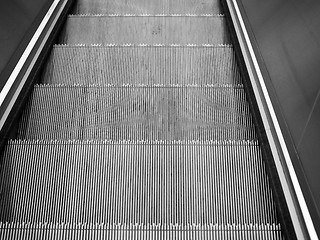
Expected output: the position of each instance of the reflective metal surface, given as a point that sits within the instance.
(18, 22)
(288, 43)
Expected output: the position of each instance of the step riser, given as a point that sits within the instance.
(147, 30)
(133, 132)
(147, 7)
(97, 231)
(142, 65)
(137, 113)
(230, 99)
(135, 183)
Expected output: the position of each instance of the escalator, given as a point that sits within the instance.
(139, 128)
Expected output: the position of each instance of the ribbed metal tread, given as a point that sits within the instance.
(135, 182)
(144, 29)
(143, 232)
(133, 112)
(147, 6)
(120, 64)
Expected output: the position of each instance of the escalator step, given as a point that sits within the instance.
(128, 182)
(134, 113)
(142, 65)
(143, 232)
(147, 7)
(99, 29)
(140, 129)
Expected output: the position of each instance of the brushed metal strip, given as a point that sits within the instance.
(145, 15)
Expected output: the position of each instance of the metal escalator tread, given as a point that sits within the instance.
(140, 129)
(150, 182)
(143, 232)
(99, 29)
(137, 112)
(92, 64)
(147, 6)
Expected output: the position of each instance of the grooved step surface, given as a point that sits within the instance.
(147, 6)
(128, 182)
(126, 112)
(104, 231)
(142, 65)
(144, 29)
(140, 129)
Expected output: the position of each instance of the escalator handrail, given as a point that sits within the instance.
(298, 209)
(18, 77)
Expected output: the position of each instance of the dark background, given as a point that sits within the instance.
(286, 35)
